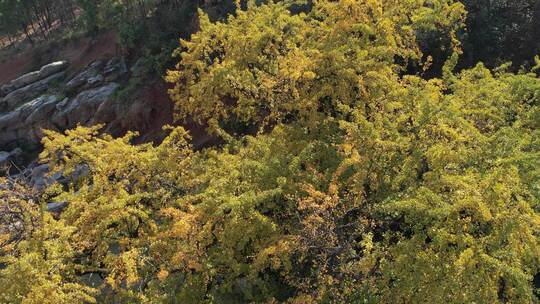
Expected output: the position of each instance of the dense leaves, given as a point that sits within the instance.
(360, 184)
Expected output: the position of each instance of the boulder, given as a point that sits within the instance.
(88, 77)
(27, 121)
(20, 82)
(40, 179)
(52, 68)
(40, 109)
(56, 207)
(10, 120)
(81, 109)
(22, 95)
(4, 158)
(32, 77)
(7, 157)
(115, 69)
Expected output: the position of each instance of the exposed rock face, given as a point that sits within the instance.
(22, 95)
(26, 121)
(7, 157)
(25, 112)
(33, 77)
(97, 73)
(81, 109)
(48, 100)
(89, 76)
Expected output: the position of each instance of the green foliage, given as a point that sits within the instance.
(90, 14)
(364, 183)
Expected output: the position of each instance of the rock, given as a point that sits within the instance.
(7, 157)
(4, 158)
(25, 112)
(40, 179)
(82, 108)
(40, 109)
(52, 68)
(62, 104)
(20, 82)
(92, 81)
(56, 207)
(89, 77)
(27, 121)
(115, 68)
(22, 95)
(80, 172)
(39, 176)
(115, 248)
(32, 77)
(10, 120)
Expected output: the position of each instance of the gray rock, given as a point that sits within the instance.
(55, 207)
(92, 81)
(20, 82)
(4, 158)
(7, 157)
(62, 104)
(52, 68)
(41, 109)
(16, 152)
(88, 77)
(22, 95)
(27, 121)
(40, 179)
(115, 68)
(80, 172)
(92, 279)
(32, 77)
(82, 108)
(10, 120)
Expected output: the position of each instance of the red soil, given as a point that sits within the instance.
(14, 67)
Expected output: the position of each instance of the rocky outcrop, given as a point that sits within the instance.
(26, 121)
(81, 109)
(54, 98)
(22, 95)
(7, 157)
(33, 77)
(97, 73)
(32, 104)
(89, 77)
